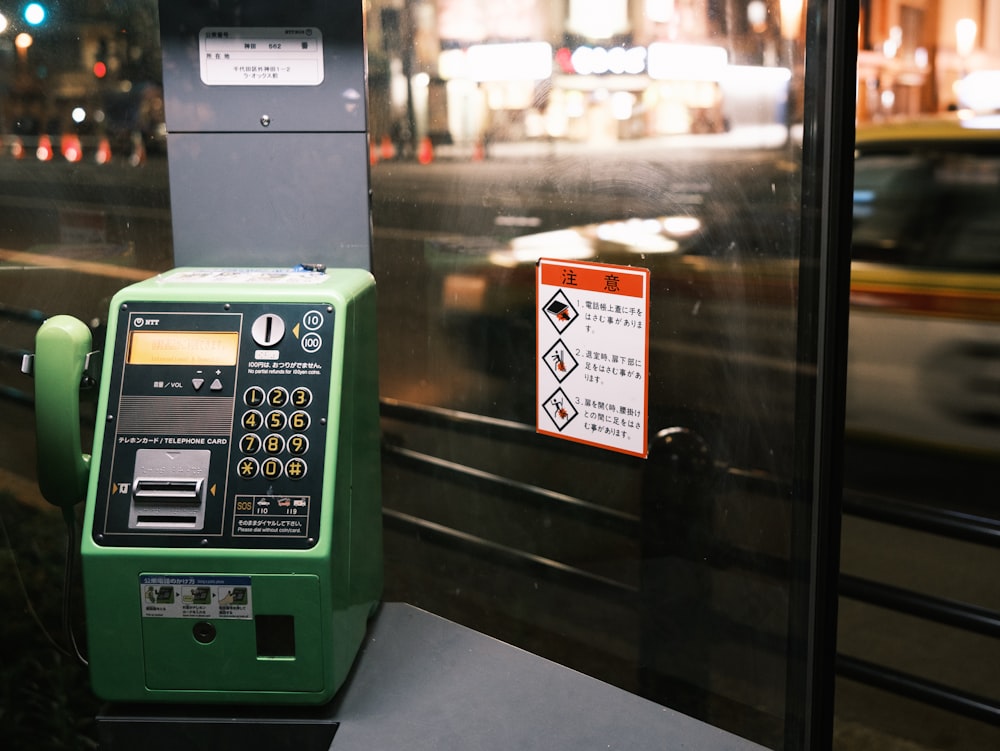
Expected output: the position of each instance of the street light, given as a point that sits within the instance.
(965, 36)
(34, 14)
(965, 41)
(757, 15)
(791, 24)
(791, 19)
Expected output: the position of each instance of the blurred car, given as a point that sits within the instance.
(722, 313)
(924, 352)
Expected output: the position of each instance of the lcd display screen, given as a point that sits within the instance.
(183, 348)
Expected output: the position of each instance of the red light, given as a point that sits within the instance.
(564, 60)
(44, 150)
(71, 148)
(100, 69)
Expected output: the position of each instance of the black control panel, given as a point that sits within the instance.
(217, 425)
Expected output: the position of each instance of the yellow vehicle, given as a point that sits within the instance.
(924, 352)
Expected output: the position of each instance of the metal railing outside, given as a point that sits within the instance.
(954, 525)
(949, 524)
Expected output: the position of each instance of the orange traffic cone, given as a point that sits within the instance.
(17, 148)
(372, 154)
(478, 151)
(138, 156)
(71, 148)
(103, 155)
(425, 154)
(44, 150)
(387, 150)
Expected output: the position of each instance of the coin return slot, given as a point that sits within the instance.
(162, 520)
(275, 635)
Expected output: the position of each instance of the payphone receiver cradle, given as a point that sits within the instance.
(232, 532)
(62, 352)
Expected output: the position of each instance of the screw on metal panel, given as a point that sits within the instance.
(265, 120)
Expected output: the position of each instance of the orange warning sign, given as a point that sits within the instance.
(592, 351)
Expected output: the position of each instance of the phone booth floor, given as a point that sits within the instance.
(425, 684)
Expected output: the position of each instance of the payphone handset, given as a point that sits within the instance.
(231, 539)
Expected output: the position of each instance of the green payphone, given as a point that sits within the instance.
(232, 532)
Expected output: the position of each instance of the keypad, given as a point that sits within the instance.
(273, 443)
(253, 396)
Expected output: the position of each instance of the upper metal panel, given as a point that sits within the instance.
(336, 104)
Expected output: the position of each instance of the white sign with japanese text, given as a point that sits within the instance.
(591, 353)
(261, 56)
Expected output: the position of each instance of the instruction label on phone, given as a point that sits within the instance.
(199, 597)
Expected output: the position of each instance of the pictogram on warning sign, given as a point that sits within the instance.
(560, 361)
(560, 410)
(592, 351)
(560, 311)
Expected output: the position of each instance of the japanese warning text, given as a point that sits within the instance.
(592, 351)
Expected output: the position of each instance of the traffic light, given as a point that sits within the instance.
(101, 60)
(34, 14)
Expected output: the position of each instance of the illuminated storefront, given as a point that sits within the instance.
(600, 71)
(913, 58)
(587, 72)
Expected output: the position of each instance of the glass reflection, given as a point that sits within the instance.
(655, 134)
(652, 135)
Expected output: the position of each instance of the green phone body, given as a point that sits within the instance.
(231, 539)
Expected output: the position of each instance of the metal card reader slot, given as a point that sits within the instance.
(169, 489)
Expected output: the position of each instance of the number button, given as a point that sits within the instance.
(248, 468)
(253, 396)
(252, 420)
(295, 469)
(275, 420)
(278, 396)
(301, 397)
(271, 469)
(274, 444)
(298, 444)
(299, 420)
(250, 443)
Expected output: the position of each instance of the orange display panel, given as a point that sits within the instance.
(183, 348)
